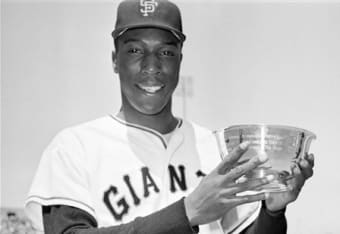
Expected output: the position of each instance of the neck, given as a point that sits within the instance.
(163, 122)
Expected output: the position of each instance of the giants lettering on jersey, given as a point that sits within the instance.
(149, 186)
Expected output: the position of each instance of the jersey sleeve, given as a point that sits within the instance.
(61, 179)
(70, 220)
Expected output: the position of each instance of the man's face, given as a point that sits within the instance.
(148, 63)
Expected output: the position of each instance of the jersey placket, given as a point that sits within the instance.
(164, 151)
(175, 142)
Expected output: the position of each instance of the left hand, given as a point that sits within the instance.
(301, 171)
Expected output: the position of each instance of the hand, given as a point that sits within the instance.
(301, 171)
(217, 192)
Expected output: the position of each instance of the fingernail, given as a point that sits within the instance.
(244, 145)
(266, 195)
(270, 177)
(242, 179)
(262, 157)
(304, 163)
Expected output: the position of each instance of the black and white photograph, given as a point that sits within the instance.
(170, 117)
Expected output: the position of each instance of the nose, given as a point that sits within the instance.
(151, 65)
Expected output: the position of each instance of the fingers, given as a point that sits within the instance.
(237, 172)
(296, 170)
(228, 162)
(310, 159)
(301, 170)
(250, 185)
(299, 179)
(238, 200)
(306, 167)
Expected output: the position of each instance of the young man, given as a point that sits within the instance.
(144, 170)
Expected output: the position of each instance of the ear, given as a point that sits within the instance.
(114, 62)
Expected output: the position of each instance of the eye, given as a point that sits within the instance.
(135, 51)
(167, 53)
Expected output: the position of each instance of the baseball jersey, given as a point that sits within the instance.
(117, 171)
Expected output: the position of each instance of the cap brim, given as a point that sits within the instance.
(120, 31)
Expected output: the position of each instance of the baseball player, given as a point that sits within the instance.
(144, 170)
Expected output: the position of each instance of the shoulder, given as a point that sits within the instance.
(99, 125)
(79, 139)
(89, 130)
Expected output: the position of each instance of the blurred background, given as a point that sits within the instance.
(274, 62)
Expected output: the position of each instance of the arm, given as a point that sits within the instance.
(268, 222)
(70, 220)
(271, 218)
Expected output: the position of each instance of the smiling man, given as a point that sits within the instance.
(144, 170)
(148, 61)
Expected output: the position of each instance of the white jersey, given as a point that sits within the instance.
(117, 171)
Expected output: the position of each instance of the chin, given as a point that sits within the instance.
(150, 111)
(147, 107)
(151, 108)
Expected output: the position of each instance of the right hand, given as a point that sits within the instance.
(217, 192)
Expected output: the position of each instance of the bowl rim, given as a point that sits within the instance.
(287, 127)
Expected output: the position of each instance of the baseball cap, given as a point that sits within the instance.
(161, 14)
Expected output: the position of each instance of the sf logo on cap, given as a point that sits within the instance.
(147, 6)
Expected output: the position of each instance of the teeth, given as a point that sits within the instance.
(151, 89)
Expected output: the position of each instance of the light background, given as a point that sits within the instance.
(248, 62)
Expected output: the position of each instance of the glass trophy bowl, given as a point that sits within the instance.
(283, 146)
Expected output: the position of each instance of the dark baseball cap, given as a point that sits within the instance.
(161, 14)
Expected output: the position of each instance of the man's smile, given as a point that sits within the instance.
(151, 89)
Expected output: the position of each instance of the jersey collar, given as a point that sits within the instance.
(146, 129)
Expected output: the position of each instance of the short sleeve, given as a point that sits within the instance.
(61, 179)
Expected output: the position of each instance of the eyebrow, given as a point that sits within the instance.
(130, 40)
(173, 43)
